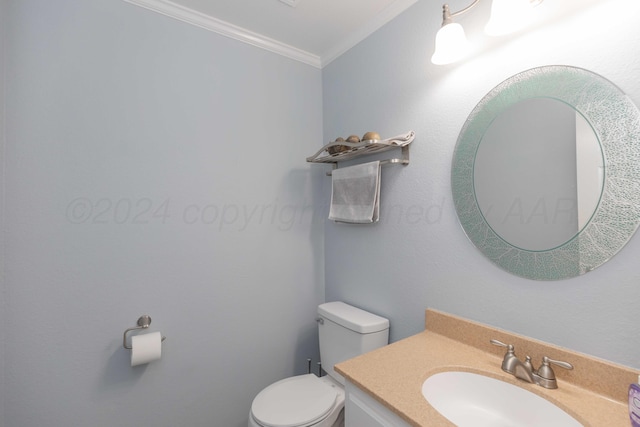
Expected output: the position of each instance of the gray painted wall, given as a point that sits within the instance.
(3, 308)
(153, 167)
(110, 106)
(418, 255)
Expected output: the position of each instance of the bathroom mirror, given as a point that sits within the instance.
(546, 173)
(538, 174)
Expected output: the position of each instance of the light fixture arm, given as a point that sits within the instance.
(447, 15)
(506, 16)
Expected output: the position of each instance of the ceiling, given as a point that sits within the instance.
(312, 31)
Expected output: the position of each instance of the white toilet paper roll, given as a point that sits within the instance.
(146, 348)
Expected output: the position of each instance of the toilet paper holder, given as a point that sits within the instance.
(143, 323)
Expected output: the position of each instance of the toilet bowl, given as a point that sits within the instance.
(310, 401)
(300, 401)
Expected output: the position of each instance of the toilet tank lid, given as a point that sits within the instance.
(352, 317)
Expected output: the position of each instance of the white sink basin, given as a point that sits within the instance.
(468, 399)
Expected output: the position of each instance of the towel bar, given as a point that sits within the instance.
(403, 161)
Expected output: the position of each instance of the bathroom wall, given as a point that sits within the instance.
(152, 167)
(2, 236)
(418, 255)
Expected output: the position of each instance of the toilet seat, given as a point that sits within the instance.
(298, 401)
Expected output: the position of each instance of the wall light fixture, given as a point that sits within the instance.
(507, 16)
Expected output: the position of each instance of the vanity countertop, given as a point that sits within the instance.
(594, 392)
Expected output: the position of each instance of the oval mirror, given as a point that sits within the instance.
(545, 173)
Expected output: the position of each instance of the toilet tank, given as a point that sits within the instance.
(345, 332)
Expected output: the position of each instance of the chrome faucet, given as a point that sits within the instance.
(543, 376)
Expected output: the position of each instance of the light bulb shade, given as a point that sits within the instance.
(451, 44)
(508, 16)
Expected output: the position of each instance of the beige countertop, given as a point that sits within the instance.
(594, 392)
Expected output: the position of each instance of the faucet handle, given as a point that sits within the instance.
(545, 375)
(545, 371)
(509, 360)
(501, 344)
(510, 348)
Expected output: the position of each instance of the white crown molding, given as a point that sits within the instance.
(210, 23)
(387, 14)
(193, 17)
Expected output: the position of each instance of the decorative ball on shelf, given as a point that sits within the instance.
(353, 138)
(371, 136)
(335, 149)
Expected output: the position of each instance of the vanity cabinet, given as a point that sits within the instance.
(361, 410)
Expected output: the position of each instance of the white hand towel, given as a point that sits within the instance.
(355, 193)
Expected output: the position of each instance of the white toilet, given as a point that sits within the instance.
(306, 400)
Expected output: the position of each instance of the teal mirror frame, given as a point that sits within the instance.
(616, 123)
